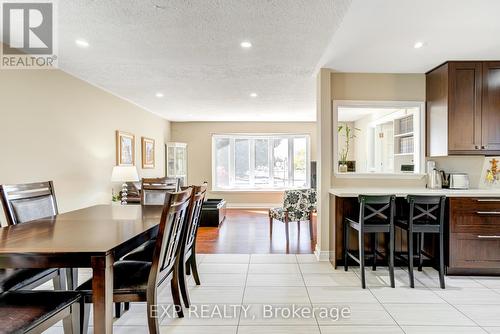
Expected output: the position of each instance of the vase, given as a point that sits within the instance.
(343, 168)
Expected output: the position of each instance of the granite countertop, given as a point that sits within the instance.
(403, 191)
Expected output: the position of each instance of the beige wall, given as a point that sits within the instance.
(377, 87)
(57, 127)
(325, 150)
(198, 136)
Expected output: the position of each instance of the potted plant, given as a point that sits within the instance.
(348, 133)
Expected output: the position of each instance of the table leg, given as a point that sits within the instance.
(102, 290)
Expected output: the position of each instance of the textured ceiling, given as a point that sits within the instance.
(378, 36)
(189, 50)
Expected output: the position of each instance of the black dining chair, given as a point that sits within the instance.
(426, 215)
(191, 231)
(376, 215)
(34, 312)
(23, 203)
(138, 281)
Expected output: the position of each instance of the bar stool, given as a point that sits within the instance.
(426, 215)
(376, 215)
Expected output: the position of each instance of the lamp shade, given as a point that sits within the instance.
(124, 174)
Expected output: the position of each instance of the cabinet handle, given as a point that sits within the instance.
(477, 147)
(488, 213)
(488, 200)
(483, 147)
(488, 236)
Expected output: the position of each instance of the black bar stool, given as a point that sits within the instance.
(376, 215)
(426, 215)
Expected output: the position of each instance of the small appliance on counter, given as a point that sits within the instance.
(434, 177)
(458, 181)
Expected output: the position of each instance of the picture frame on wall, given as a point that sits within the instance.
(125, 148)
(148, 153)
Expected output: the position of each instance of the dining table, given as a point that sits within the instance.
(93, 237)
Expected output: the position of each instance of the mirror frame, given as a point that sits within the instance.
(336, 104)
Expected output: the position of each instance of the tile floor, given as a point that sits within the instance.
(238, 287)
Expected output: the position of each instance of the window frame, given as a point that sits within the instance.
(252, 137)
(336, 104)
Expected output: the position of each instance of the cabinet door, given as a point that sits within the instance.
(464, 118)
(474, 251)
(491, 106)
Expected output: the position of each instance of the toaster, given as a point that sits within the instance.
(458, 181)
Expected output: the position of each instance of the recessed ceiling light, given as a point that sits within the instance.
(253, 95)
(418, 45)
(159, 95)
(82, 43)
(246, 45)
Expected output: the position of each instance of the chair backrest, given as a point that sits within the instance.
(194, 213)
(27, 202)
(154, 190)
(426, 208)
(169, 239)
(300, 200)
(377, 208)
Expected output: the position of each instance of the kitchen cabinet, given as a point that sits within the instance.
(472, 227)
(463, 109)
(474, 238)
(491, 106)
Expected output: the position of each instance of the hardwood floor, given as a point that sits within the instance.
(247, 232)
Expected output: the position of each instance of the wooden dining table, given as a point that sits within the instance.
(93, 237)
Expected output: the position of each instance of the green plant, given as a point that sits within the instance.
(114, 197)
(349, 133)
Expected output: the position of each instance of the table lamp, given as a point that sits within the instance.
(124, 174)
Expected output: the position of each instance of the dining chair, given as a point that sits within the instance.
(23, 203)
(191, 231)
(153, 190)
(36, 311)
(188, 263)
(298, 205)
(376, 215)
(138, 281)
(426, 215)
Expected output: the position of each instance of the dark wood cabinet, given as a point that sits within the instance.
(463, 109)
(491, 106)
(464, 102)
(474, 239)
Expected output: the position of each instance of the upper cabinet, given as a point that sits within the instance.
(491, 106)
(463, 109)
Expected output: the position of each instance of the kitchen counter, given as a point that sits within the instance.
(472, 221)
(402, 192)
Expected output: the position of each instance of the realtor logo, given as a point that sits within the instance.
(28, 35)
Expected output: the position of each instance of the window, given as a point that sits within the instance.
(260, 162)
(380, 137)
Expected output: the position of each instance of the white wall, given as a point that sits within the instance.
(57, 127)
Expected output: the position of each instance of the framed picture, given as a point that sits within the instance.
(148, 152)
(125, 149)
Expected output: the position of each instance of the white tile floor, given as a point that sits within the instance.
(249, 282)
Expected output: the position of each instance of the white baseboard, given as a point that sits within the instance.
(322, 255)
(253, 205)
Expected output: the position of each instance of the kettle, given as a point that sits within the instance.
(435, 179)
